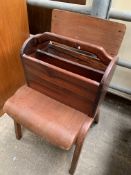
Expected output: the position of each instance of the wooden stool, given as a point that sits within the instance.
(67, 79)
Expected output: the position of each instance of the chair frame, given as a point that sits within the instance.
(110, 63)
(108, 57)
(79, 141)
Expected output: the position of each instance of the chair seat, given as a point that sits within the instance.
(59, 124)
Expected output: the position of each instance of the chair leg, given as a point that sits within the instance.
(75, 159)
(18, 132)
(79, 143)
(96, 120)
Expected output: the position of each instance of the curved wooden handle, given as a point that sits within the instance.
(85, 46)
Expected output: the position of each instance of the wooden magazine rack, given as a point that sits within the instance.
(67, 77)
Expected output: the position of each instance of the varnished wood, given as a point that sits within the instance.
(76, 56)
(50, 74)
(54, 77)
(44, 111)
(97, 50)
(104, 84)
(81, 28)
(61, 85)
(69, 65)
(40, 18)
(17, 130)
(57, 123)
(13, 32)
(103, 33)
(79, 143)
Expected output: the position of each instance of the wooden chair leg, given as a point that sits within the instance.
(96, 120)
(75, 159)
(17, 130)
(79, 144)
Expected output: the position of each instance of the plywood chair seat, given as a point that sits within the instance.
(57, 123)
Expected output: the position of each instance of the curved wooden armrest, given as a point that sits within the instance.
(84, 129)
(79, 143)
(47, 36)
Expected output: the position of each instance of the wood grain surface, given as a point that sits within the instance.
(13, 32)
(76, 56)
(69, 82)
(62, 85)
(103, 33)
